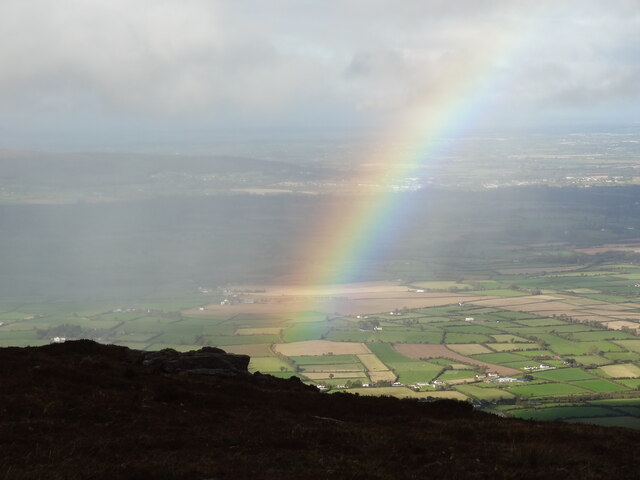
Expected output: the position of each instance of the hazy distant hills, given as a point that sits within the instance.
(35, 164)
(63, 177)
(332, 165)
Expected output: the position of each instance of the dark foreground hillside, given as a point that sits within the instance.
(84, 410)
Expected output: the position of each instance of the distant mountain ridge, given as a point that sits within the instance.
(61, 170)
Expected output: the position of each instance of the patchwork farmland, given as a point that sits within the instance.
(567, 352)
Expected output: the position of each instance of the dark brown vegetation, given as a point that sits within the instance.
(84, 410)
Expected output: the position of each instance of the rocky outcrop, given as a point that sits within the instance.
(206, 361)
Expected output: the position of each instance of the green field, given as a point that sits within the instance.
(536, 354)
(631, 345)
(622, 356)
(305, 331)
(599, 385)
(407, 337)
(562, 346)
(486, 394)
(564, 375)
(540, 322)
(633, 383)
(561, 413)
(600, 335)
(222, 340)
(472, 329)
(548, 390)
(268, 364)
(618, 402)
(20, 339)
(466, 338)
(415, 371)
(387, 354)
(449, 375)
(507, 338)
(591, 360)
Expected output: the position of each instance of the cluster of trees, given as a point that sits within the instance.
(368, 323)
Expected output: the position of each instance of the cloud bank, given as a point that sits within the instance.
(294, 60)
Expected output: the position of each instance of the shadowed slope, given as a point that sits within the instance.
(84, 410)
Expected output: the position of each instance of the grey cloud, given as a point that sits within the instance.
(240, 58)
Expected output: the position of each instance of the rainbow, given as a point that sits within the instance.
(343, 238)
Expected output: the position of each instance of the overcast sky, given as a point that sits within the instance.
(121, 67)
